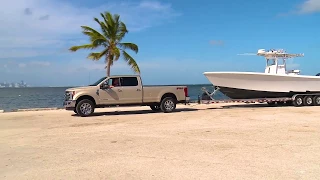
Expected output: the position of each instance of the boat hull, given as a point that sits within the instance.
(247, 85)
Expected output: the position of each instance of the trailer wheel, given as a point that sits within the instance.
(316, 100)
(298, 101)
(168, 104)
(308, 101)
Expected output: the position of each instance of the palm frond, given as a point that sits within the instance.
(131, 62)
(94, 56)
(89, 29)
(116, 52)
(85, 46)
(97, 55)
(130, 46)
(103, 27)
(111, 25)
(122, 31)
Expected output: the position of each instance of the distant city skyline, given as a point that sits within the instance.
(9, 84)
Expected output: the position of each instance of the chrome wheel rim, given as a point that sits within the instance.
(318, 100)
(169, 105)
(309, 100)
(85, 108)
(299, 101)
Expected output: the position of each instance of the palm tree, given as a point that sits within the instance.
(113, 31)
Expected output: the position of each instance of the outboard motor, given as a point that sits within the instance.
(318, 74)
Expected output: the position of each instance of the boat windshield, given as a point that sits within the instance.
(98, 82)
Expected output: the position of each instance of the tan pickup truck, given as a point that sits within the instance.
(124, 90)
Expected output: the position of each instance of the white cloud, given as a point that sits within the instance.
(54, 25)
(12, 65)
(310, 6)
(22, 65)
(40, 63)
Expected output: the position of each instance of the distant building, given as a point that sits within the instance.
(14, 84)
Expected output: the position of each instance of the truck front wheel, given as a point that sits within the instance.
(168, 104)
(85, 108)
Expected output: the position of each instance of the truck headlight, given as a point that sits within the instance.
(69, 95)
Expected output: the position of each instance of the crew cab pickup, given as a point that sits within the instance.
(124, 90)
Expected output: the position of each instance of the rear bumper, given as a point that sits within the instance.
(187, 100)
(69, 105)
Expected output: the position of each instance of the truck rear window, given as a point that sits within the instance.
(129, 81)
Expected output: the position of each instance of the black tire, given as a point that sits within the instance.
(85, 108)
(155, 108)
(308, 101)
(298, 101)
(168, 104)
(316, 100)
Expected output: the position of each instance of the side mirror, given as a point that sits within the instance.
(104, 86)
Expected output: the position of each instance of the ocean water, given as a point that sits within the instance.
(48, 97)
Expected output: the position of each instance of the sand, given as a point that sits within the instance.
(196, 142)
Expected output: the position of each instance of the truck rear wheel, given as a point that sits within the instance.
(168, 104)
(85, 108)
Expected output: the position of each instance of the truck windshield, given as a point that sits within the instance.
(99, 81)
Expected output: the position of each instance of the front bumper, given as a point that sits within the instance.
(69, 105)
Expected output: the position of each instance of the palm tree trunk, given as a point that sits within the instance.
(108, 65)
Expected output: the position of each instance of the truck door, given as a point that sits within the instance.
(112, 95)
(131, 90)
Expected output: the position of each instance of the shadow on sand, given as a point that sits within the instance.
(255, 105)
(114, 113)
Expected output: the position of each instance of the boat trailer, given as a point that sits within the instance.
(298, 100)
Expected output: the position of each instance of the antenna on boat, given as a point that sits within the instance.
(280, 53)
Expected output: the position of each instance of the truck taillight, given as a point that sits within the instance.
(186, 91)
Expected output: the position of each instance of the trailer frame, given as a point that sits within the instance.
(297, 100)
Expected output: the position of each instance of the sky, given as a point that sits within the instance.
(178, 40)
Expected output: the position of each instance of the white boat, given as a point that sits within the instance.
(275, 82)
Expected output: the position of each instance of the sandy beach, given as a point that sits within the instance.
(196, 142)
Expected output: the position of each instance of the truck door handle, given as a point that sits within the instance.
(138, 89)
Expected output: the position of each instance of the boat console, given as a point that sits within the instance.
(274, 65)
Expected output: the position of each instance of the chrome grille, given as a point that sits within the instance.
(67, 96)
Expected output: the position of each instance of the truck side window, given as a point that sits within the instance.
(129, 81)
(114, 82)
